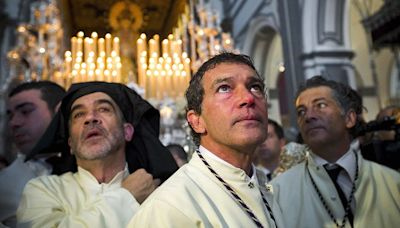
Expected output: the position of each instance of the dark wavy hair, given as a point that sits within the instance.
(347, 98)
(195, 92)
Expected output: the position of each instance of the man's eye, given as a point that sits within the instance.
(321, 105)
(104, 109)
(300, 112)
(26, 111)
(78, 115)
(223, 89)
(257, 88)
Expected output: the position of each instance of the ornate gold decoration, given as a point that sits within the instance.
(125, 15)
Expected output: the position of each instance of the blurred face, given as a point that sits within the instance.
(321, 120)
(234, 108)
(96, 129)
(271, 147)
(29, 116)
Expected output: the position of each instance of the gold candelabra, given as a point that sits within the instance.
(91, 59)
(162, 73)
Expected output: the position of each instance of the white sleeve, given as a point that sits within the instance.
(41, 206)
(161, 214)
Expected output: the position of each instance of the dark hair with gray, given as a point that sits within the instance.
(278, 129)
(195, 91)
(347, 98)
(51, 92)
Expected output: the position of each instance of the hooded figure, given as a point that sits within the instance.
(143, 151)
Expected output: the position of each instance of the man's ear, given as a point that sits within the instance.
(196, 122)
(351, 119)
(128, 131)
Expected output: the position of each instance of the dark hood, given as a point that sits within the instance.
(143, 151)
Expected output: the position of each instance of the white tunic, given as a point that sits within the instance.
(377, 196)
(12, 182)
(76, 200)
(193, 197)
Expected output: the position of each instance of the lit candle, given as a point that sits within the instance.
(73, 46)
(79, 45)
(116, 45)
(107, 75)
(100, 46)
(95, 40)
(108, 44)
(165, 51)
(99, 74)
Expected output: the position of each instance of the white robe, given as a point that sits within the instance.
(76, 200)
(193, 197)
(377, 196)
(13, 179)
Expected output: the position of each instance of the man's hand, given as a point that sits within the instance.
(140, 184)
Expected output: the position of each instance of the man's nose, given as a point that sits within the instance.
(92, 118)
(246, 97)
(16, 121)
(310, 115)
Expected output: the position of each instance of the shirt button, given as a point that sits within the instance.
(251, 185)
(333, 198)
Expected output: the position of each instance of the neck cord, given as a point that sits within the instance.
(236, 196)
(348, 205)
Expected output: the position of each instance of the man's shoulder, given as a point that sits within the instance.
(291, 174)
(53, 181)
(182, 186)
(381, 170)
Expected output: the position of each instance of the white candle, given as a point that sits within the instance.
(108, 44)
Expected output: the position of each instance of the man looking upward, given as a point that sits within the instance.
(219, 187)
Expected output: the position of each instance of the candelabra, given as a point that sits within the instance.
(165, 73)
(38, 51)
(91, 59)
(206, 38)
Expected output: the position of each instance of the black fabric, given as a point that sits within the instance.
(269, 177)
(144, 151)
(333, 173)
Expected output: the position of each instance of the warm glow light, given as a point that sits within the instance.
(162, 66)
(92, 58)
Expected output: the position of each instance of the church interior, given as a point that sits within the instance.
(155, 46)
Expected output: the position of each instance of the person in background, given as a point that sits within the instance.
(335, 186)
(113, 135)
(178, 153)
(268, 153)
(219, 187)
(30, 108)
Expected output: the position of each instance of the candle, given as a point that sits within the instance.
(116, 45)
(108, 44)
(95, 41)
(73, 46)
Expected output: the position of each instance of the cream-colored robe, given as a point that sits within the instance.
(12, 182)
(193, 197)
(76, 200)
(377, 196)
